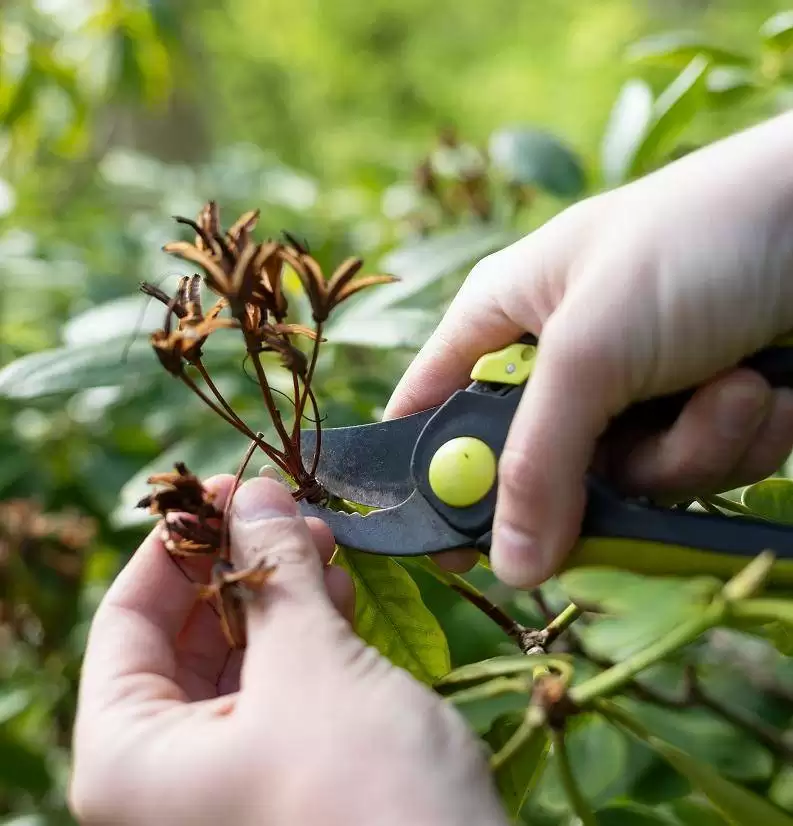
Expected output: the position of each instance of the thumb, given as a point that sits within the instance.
(573, 392)
(291, 615)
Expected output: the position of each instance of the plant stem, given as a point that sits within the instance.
(532, 720)
(469, 592)
(318, 446)
(760, 610)
(623, 673)
(578, 803)
(728, 505)
(199, 365)
(269, 402)
(707, 505)
(558, 625)
(300, 403)
(266, 448)
(226, 538)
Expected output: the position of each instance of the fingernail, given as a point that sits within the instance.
(261, 499)
(517, 560)
(272, 472)
(743, 408)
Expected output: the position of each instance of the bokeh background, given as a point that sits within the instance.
(338, 120)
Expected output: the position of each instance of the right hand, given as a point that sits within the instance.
(651, 288)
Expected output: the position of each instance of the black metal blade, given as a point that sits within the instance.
(369, 463)
(410, 529)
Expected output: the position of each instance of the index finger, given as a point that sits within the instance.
(508, 293)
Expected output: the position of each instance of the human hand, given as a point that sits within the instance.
(652, 288)
(310, 726)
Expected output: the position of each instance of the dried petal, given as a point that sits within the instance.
(362, 284)
(240, 231)
(216, 277)
(208, 222)
(344, 273)
(163, 297)
(295, 329)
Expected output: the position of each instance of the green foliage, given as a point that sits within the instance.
(390, 615)
(98, 154)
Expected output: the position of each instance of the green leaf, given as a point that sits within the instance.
(598, 758)
(777, 31)
(21, 768)
(730, 85)
(127, 316)
(13, 701)
(677, 49)
(771, 499)
(498, 667)
(623, 592)
(781, 791)
(398, 327)
(629, 814)
(391, 616)
(673, 111)
(645, 608)
(706, 737)
(67, 369)
(537, 158)
(740, 806)
(629, 122)
(695, 813)
(420, 264)
(517, 778)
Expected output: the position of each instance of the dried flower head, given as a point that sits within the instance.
(326, 294)
(229, 588)
(248, 277)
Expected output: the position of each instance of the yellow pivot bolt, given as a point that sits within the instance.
(462, 472)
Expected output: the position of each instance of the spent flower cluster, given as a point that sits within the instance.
(248, 279)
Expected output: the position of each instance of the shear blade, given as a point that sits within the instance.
(370, 463)
(412, 528)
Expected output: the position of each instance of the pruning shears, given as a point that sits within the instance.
(430, 480)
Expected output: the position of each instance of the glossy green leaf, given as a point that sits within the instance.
(67, 369)
(128, 316)
(22, 768)
(742, 807)
(777, 31)
(623, 592)
(422, 263)
(536, 158)
(696, 813)
(781, 791)
(630, 119)
(399, 327)
(519, 776)
(738, 804)
(629, 814)
(598, 758)
(498, 667)
(673, 111)
(13, 701)
(677, 49)
(704, 736)
(771, 499)
(391, 615)
(730, 85)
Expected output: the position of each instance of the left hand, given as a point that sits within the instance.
(309, 726)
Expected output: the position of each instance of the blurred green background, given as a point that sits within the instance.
(117, 114)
